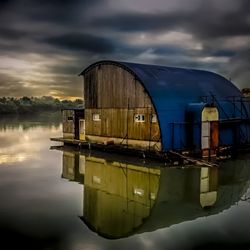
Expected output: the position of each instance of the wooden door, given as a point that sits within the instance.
(76, 123)
(82, 129)
(214, 134)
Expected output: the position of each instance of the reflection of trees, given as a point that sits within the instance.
(27, 105)
(25, 122)
(246, 197)
(246, 91)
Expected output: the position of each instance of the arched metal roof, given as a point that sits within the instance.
(172, 89)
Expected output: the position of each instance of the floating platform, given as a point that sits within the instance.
(173, 157)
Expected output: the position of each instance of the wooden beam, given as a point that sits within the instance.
(193, 160)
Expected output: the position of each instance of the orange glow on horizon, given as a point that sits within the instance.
(61, 96)
(70, 98)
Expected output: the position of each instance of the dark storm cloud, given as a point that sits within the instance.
(223, 52)
(205, 21)
(12, 34)
(72, 14)
(59, 4)
(12, 86)
(32, 22)
(168, 50)
(210, 52)
(82, 42)
(62, 12)
(239, 68)
(3, 3)
(61, 37)
(55, 12)
(72, 69)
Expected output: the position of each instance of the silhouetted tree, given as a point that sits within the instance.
(11, 105)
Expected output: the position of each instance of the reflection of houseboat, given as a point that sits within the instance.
(123, 198)
(158, 108)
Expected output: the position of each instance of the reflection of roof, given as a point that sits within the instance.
(171, 89)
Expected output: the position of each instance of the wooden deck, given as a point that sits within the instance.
(172, 157)
(120, 148)
(70, 141)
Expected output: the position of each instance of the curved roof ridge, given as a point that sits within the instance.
(153, 66)
(143, 65)
(130, 66)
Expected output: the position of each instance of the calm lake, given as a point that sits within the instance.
(57, 198)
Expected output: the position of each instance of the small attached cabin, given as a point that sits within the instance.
(73, 124)
(163, 108)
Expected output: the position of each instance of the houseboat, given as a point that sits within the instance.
(158, 109)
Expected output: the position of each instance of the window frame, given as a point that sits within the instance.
(154, 118)
(96, 117)
(140, 118)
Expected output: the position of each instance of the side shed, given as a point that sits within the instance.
(73, 124)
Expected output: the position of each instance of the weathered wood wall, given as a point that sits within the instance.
(117, 96)
(110, 86)
(68, 124)
(120, 123)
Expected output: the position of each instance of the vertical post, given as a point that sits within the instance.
(241, 103)
(180, 133)
(234, 103)
(150, 127)
(172, 135)
(83, 90)
(127, 121)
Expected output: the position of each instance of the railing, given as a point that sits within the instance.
(240, 119)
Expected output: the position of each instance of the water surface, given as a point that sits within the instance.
(62, 199)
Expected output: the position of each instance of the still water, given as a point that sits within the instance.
(58, 198)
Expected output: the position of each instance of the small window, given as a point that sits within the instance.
(96, 117)
(139, 118)
(138, 191)
(153, 118)
(96, 179)
(70, 118)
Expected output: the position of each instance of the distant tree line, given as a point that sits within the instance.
(246, 91)
(27, 105)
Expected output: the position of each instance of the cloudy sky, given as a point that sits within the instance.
(44, 44)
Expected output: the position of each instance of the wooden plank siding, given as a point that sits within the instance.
(117, 96)
(120, 123)
(109, 86)
(68, 123)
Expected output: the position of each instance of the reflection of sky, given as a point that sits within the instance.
(19, 144)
